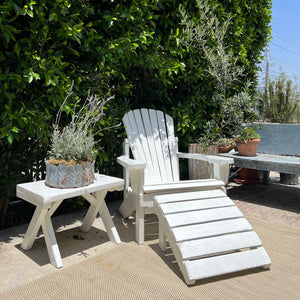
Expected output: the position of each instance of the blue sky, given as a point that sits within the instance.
(284, 47)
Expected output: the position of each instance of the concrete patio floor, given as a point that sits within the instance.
(275, 203)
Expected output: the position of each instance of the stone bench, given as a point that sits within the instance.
(283, 140)
(279, 150)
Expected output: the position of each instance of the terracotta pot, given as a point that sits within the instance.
(246, 173)
(247, 149)
(248, 176)
(62, 175)
(225, 149)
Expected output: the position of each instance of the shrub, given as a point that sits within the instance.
(129, 49)
(281, 100)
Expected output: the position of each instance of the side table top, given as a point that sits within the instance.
(38, 192)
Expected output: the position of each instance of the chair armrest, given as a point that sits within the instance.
(221, 164)
(214, 159)
(129, 163)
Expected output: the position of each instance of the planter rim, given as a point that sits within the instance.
(249, 140)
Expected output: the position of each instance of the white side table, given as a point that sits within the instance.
(47, 200)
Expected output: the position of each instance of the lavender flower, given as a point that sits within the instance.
(76, 140)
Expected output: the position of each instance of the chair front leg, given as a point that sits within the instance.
(137, 183)
(140, 224)
(126, 170)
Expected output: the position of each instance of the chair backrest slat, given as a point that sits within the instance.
(172, 147)
(151, 138)
(163, 164)
(133, 138)
(164, 144)
(149, 130)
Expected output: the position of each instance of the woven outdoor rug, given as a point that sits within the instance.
(130, 271)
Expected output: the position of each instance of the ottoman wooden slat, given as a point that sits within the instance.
(208, 234)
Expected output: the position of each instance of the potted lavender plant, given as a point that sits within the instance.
(70, 163)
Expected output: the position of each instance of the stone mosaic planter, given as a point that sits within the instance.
(62, 175)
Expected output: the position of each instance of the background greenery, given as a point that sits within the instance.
(130, 49)
(280, 100)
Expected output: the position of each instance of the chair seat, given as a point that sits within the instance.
(184, 185)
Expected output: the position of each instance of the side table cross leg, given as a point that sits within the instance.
(98, 205)
(33, 228)
(47, 200)
(107, 221)
(51, 243)
(40, 218)
(93, 209)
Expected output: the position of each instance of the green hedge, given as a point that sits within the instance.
(130, 49)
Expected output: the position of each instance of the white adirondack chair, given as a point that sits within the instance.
(154, 169)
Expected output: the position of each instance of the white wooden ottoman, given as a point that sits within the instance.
(208, 234)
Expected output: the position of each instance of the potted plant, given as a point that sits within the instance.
(70, 162)
(247, 141)
(225, 145)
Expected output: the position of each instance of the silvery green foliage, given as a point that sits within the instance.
(231, 123)
(76, 140)
(71, 143)
(208, 37)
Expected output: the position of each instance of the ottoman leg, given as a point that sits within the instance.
(162, 237)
